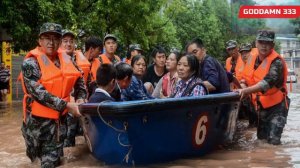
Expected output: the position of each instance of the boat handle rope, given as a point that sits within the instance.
(114, 128)
(119, 140)
(126, 157)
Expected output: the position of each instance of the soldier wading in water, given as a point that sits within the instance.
(48, 78)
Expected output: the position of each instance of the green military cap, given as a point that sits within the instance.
(110, 36)
(135, 47)
(231, 44)
(67, 32)
(265, 35)
(50, 28)
(245, 47)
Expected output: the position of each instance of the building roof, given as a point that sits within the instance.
(287, 37)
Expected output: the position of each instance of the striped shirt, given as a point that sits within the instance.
(4, 75)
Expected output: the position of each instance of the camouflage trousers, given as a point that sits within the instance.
(271, 123)
(44, 139)
(247, 111)
(73, 129)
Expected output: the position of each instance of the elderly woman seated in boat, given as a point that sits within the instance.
(167, 83)
(190, 84)
(136, 89)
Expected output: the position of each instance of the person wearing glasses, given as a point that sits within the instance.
(210, 71)
(48, 77)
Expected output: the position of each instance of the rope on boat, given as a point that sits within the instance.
(121, 142)
(106, 123)
(127, 156)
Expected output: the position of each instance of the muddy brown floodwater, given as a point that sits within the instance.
(245, 151)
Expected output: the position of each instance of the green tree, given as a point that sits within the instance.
(296, 22)
(170, 23)
(198, 19)
(23, 24)
(133, 21)
(245, 28)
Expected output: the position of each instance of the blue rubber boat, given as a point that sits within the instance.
(159, 130)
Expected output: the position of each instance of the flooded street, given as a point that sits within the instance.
(246, 151)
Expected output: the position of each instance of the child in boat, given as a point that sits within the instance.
(124, 75)
(106, 81)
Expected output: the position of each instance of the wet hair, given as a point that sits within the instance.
(199, 43)
(136, 58)
(105, 74)
(93, 42)
(123, 70)
(192, 62)
(156, 50)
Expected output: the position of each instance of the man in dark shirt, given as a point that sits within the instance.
(157, 69)
(211, 71)
(124, 76)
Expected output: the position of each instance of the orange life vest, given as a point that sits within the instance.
(97, 62)
(249, 69)
(105, 60)
(254, 51)
(238, 68)
(57, 81)
(83, 63)
(274, 95)
(95, 65)
(128, 61)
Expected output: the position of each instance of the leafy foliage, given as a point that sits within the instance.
(296, 22)
(170, 23)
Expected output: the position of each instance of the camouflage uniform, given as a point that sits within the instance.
(72, 123)
(231, 44)
(244, 108)
(247, 103)
(273, 119)
(245, 47)
(44, 137)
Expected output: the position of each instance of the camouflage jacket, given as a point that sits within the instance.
(274, 76)
(31, 74)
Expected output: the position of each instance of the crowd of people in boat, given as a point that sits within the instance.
(57, 78)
